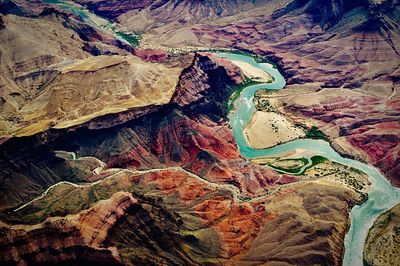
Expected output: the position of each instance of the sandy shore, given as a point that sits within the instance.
(253, 72)
(267, 129)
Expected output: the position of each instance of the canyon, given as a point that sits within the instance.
(117, 145)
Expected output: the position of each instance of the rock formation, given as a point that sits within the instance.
(116, 154)
(329, 43)
(334, 45)
(359, 121)
(189, 132)
(383, 242)
(179, 218)
(67, 239)
(58, 85)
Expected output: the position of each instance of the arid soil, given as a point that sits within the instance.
(383, 242)
(337, 112)
(112, 154)
(267, 129)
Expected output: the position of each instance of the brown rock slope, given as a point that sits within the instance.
(58, 85)
(24, 61)
(193, 136)
(358, 44)
(184, 11)
(71, 239)
(310, 220)
(180, 218)
(98, 39)
(383, 242)
(334, 44)
(196, 200)
(360, 120)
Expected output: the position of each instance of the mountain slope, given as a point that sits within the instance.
(107, 159)
(357, 49)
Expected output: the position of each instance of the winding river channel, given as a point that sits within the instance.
(382, 195)
(91, 19)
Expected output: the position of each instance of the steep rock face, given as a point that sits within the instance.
(343, 54)
(359, 122)
(41, 87)
(171, 10)
(195, 137)
(97, 39)
(74, 93)
(68, 239)
(200, 145)
(325, 12)
(19, 62)
(112, 9)
(144, 231)
(333, 44)
(304, 228)
(25, 71)
(344, 50)
(183, 219)
(156, 231)
(382, 148)
(29, 168)
(189, 91)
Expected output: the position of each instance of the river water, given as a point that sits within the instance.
(90, 18)
(382, 195)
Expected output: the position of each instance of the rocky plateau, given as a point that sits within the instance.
(116, 147)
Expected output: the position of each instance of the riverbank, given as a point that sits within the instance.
(380, 197)
(252, 72)
(383, 242)
(267, 129)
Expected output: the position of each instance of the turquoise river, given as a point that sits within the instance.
(382, 195)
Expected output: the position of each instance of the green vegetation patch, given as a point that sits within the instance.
(262, 103)
(297, 170)
(315, 133)
(132, 39)
(236, 94)
(297, 165)
(317, 160)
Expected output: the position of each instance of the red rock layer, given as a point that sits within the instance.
(179, 219)
(151, 55)
(194, 136)
(190, 132)
(183, 11)
(66, 239)
(186, 188)
(195, 81)
(369, 123)
(334, 49)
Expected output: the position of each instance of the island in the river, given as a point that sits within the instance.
(199, 132)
